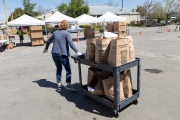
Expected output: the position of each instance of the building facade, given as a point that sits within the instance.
(98, 10)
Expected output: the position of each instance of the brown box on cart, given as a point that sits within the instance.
(127, 83)
(108, 85)
(119, 51)
(101, 54)
(122, 33)
(131, 48)
(90, 50)
(119, 26)
(89, 33)
(110, 27)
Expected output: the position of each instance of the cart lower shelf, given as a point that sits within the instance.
(122, 104)
(116, 105)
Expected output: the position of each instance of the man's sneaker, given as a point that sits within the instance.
(70, 87)
(59, 87)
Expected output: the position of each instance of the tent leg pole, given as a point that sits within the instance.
(46, 30)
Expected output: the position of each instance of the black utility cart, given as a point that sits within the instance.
(116, 105)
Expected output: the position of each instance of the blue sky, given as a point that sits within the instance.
(51, 4)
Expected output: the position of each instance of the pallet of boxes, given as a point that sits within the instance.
(36, 36)
(118, 28)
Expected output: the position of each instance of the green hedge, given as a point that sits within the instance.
(85, 26)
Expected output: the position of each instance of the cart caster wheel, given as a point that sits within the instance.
(135, 102)
(116, 114)
(85, 96)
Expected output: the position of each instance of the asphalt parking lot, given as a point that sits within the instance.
(28, 83)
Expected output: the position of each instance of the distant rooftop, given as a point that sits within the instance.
(101, 9)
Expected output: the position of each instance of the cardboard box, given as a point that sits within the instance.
(122, 34)
(90, 50)
(33, 35)
(39, 27)
(36, 28)
(108, 85)
(131, 48)
(101, 54)
(110, 27)
(119, 51)
(89, 33)
(120, 26)
(31, 28)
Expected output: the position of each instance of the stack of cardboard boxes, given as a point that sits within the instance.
(114, 51)
(118, 28)
(36, 35)
(89, 33)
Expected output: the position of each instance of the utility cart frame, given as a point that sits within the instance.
(116, 105)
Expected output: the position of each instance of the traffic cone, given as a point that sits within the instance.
(169, 30)
(140, 33)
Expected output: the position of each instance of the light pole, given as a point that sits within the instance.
(122, 4)
(5, 10)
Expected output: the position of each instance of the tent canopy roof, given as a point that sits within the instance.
(110, 17)
(58, 17)
(85, 19)
(25, 20)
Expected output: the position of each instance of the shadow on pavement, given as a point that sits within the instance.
(45, 83)
(27, 44)
(88, 105)
(2, 50)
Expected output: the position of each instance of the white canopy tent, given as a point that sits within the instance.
(58, 17)
(83, 19)
(110, 17)
(25, 20)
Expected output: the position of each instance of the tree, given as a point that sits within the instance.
(29, 7)
(158, 12)
(112, 3)
(62, 8)
(148, 7)
(41, 10)
(17, 13)
(170, 7)
(141, 10)
(75, 8)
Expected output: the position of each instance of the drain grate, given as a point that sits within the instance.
(157, 71)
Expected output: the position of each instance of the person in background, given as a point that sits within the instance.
(5, 31)
(21, 37)
(60, 53)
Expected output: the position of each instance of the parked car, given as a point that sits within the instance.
(75, 29)
(155, 24)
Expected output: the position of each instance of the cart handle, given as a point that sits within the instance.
(92, 64)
